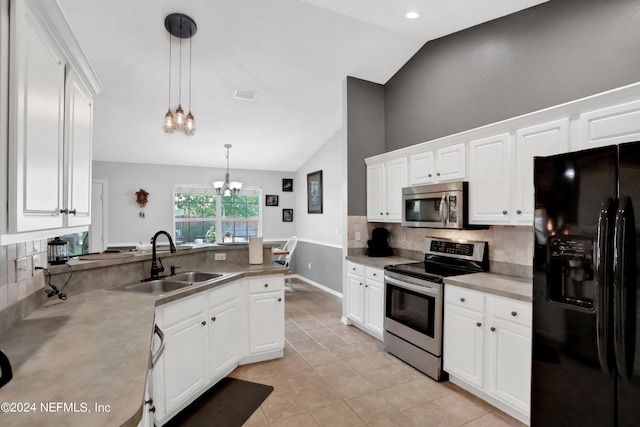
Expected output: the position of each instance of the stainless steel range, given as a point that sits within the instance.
(414, 300)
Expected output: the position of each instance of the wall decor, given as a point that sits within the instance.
(287, 215)
(287, 184)
(314, 192)
(142, 198)
(271, 200)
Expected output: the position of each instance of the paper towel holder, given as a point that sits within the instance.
(255, 250)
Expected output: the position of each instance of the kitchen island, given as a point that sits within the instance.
(84, 361)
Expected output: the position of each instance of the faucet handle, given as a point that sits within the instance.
(173, 270)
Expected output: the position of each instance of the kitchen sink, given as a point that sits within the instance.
(193, 277)
(157, 287)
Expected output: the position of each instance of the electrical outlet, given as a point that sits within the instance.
(358, 236)
(221, 256)
(309, 266)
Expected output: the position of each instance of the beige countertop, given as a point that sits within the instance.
(506, 286)
(378, 262)
(92, 349)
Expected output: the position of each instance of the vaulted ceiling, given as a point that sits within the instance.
(294, 54)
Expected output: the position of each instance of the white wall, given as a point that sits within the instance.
(125, 226)
(325, 228)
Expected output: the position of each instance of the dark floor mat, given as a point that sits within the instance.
(229, 403)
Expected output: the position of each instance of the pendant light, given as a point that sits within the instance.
(227, 187)
(180, 26)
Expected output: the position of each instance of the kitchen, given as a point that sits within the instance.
(573, 35)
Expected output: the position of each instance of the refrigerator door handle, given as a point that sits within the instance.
(624, 287)
(602, 276)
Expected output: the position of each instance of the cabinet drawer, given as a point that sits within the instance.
(223, 293)
(374, 274)
(512, 310)
(266, 284)
(353, 268)
(183, 309)
(464, 298)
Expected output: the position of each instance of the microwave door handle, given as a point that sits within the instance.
(444, 212)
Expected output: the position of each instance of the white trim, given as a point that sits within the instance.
(316, 242)
(317, 285)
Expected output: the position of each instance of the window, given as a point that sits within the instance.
(202, 216)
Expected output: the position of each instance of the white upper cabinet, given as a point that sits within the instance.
(444, 164)
(384, 190)
(489, 174)
(612, 125)
(49, 109)
(542, 140)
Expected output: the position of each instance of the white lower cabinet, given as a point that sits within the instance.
(266, 314)
(205, 338)
(487, 348)
(365, 298)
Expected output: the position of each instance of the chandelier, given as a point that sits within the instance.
(182, 27)
(227, 187)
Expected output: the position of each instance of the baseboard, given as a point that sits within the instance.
(317, 285)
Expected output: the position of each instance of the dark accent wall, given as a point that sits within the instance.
(556, 52)
(365, 137)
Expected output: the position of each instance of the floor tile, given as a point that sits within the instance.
(301, 420)
(371, 407)
(337, 415)
(431, 415)
(317, 396)
(465, 406)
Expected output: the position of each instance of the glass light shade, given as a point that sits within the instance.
(235, 185)
(190, 125)
(169, 126)
(217, 184)
(179, 118)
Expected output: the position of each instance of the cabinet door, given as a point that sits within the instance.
(395, 180)
(451, 163)
(78, 134)
(611, 125)
(224, 340)
(375, 192)
(542, 140)
(421, 168)
(355, 298)
(266, 321)
(510, 363)
(185, 355)
(374, 306)
(463, 354)
(489, 186)
(36, 126)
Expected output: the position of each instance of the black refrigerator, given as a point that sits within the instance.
(586, 320)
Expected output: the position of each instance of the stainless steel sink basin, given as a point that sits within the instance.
(157, 287)
(193, 277)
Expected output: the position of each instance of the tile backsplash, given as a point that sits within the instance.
(510, 248)
(20, 284)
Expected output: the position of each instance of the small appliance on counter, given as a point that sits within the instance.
(414, 300)
(5, 369)
(57, 251)
(379, 243)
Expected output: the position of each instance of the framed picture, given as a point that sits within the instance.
(314, 192)
(271, 200)
(287, 184)
(287, 215)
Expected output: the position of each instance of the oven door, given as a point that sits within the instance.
(413, 312)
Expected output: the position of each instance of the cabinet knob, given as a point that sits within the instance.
(429, 175)
(360, 283)
(213, 319)
(478, 324)
(354, 269)
(153, 409)
(381, 213)
(462, 300)
(493, 329)
(72, 212)
(375, 274)
(366, 286)
(519, 212)
(504, 212)
(387, 213)
(438, 174)
(64, 211)
(514, 313)
(266, 285)
(279, 299)
(204, 322)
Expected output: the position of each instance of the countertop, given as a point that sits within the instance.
(379, 262)
(506, 286)
(92, 349)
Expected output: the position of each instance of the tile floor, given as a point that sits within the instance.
(336, 375)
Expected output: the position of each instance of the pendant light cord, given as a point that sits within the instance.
(170, 71)
(190, 35)
(180, 73)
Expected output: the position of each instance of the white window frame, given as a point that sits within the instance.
(209, 190)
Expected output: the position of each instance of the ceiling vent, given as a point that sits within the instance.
(245, 95)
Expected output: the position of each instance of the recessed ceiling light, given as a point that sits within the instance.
(412, 15)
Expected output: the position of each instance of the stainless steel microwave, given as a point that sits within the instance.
(435, 205)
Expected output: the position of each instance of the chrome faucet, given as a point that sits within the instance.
(155, 268)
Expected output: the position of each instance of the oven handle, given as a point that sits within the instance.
(427, 290)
